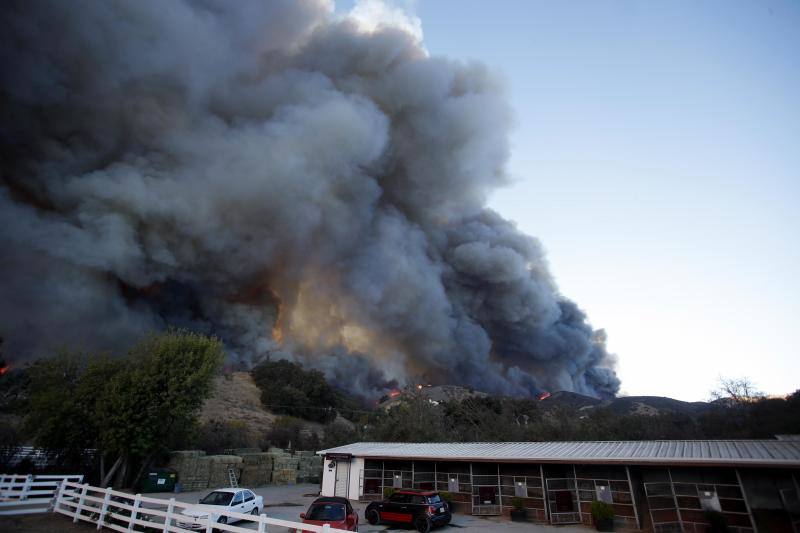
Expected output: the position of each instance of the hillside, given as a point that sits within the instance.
(624, 405)
(236, 397)
(435, 394)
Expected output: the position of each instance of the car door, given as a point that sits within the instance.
(417, 505)
(249, 501)
(396, 509)
(237, 505)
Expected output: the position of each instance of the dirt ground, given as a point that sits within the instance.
(285, 502)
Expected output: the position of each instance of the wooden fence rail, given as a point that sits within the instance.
(21, 494)
(120, 511)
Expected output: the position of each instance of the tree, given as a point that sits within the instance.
(286, 388)
(417, 420)
(63, 395)
(152, 404)
(739, 390)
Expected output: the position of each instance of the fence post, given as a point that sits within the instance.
(209, 527)
(262, 524)
(79, 509)
(168, 518)
(326, 528)
(104, 509)
(26, 487)
(59, 495)
(136, 503)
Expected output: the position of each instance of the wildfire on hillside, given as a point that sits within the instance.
(543, 396)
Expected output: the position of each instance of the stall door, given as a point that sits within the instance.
(342, 478)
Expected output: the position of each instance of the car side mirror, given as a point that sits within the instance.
(302, 515)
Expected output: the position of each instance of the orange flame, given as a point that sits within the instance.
(543, 396)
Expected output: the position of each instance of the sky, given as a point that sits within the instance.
(656, 155)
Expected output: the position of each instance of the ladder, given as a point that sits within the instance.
(232, 477)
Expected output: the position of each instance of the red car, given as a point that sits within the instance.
(331, 510)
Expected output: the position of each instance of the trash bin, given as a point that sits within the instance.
(159, 480)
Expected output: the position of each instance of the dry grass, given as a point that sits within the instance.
(237, 397)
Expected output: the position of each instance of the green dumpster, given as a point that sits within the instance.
(159, 480)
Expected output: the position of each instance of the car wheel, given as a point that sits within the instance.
(222, 520)
(422, 524)
(373, 517)
(254, 512)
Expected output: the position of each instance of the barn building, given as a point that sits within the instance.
(652, 485)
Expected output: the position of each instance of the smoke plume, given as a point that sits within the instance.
(299, 183)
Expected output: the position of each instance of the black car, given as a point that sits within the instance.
(423, 509)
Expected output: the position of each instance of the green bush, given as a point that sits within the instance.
(446, 496)
(288, 389)
(517, 503)
(601, 510)
(387, 491)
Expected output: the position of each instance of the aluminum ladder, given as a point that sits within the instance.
(232, 478)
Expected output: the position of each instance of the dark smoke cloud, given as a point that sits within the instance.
(276, 175)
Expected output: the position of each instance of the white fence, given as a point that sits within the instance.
(125, 512)
(21, 494)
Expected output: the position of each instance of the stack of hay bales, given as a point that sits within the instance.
(192, 469)
(284, 467)
(198, 471)
(256, 469)
(309, 468)
(218, 466)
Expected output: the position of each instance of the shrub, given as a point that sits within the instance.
(446, 496)
(602, 511)
(387, 491)
(517, 503)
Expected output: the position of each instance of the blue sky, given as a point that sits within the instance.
(657, 157)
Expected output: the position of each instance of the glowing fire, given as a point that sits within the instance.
(543, 396)
(394, 394)
(4, 369)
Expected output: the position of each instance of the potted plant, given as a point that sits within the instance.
(716, 522)
(387, 491)
(518, 513)
(603, 516)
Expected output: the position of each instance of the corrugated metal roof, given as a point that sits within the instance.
(709, 452)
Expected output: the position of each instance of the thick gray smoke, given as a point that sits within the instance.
(277, 175)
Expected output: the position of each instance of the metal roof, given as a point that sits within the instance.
(696, 452)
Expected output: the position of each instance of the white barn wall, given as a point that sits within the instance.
(356, 469)
(328, 478)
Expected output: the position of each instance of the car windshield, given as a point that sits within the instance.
(434, 499)
(326, 511)
(217, 498)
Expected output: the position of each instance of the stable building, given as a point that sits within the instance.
(652, 485)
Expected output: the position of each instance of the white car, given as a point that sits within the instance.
(238, 500)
